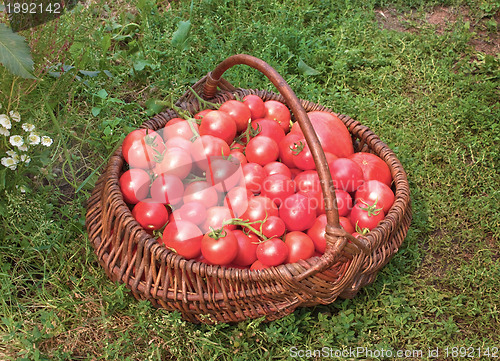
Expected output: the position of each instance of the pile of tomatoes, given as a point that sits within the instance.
(237, 186)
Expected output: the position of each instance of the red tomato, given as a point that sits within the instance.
(150, 215)
(277, 168)
(142, 147)
(272, 252)
(346, 174)
(302, 156)
(346, 224)
(239, 156)
(247, 247)
(194, 212)
(332, 133)
(179, 142)
(366, 215)
(206, 147)
(254, 175)
(201, 191)
(373, 167)
(286, 148)
(262, 150)
(344, 202)
(202, 113)
(259, 208)
(308, 181)
(216, 216)
(257, 265)
(273, 227)
(256, 106)
(219, 124)
(184, 238)
(374, 191)
(219, 249)
(297, 212)
(134, 185)
(237, 147)
(300, 246)
(269, 128)
(224, 174)
(179, 127)
(174, 161)
(239, 112)
(277, 187)
(317, 233)
(279, 112)
(330, 157)
(167, 189)
(237, 201)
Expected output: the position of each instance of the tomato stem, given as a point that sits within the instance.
(204, 104)
(371, 209)
(248, 224)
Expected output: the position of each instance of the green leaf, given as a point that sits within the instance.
(180, 37)
(15, 54)
(96, 111)
(102, 94)
(306, 69)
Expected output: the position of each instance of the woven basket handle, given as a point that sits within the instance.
(336, 236)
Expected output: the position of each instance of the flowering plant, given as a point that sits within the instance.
(19, 140)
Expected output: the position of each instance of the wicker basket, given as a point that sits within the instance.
(205, 293)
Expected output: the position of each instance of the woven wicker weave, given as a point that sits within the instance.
(205, 293)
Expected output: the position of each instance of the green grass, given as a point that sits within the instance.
(432, 97)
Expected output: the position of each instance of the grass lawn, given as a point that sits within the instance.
(423, 75)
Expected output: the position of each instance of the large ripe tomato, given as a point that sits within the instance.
(273, 227)
(300, 246)
(193, 212)
(150, 215)
(224, 173)
(201, 191)
(332, 133)
(366, 215)
(373, 167)
(308, 181)
(374, 191)
(207, 147)
(239, 112)
(179, 142)
(219, 124)
(277, 187)
(167, 189)
(237, 201)
(297, 212)
(346, 224)
(239, 156)
(269, 128)
(302, 156)
(254, 175)
(178, 127)
(277, 168)
(272, 252)
(279, 112)
(259, 207)
(202, 113)
(346, 174)
(317, 233)
(344, 202)
(220, 247)
(256, 106)
(174, 161)
(134, 184)
(184, 238)
(142, 147)
(247, 247)
(286, 148)
(216, 216)
(262, 150)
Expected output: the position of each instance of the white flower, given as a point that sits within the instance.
(34, 139)
(22, 189)
(23, 148)
(5, 121)
(15, 116)
(4, 131)
(27, 127)
(25, 158)
(46, 141)
(9, 162)
(12, 154)
(16, 140)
